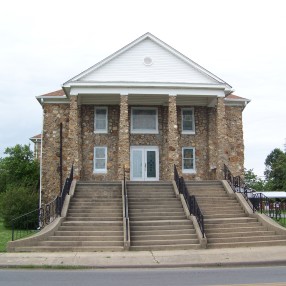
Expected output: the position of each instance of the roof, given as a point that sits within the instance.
(273, 195)
(59, 92)
(236, 97)
(36, 138)
(112, 69)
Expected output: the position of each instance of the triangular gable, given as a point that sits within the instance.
(130, 64)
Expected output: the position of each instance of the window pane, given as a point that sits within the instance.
(187, 125)
(100, 124)
(99, 153)
(187, 118)
(188, 164)
(100, 119)
(188, 159)
(144, 119)
(188, 153)
(100, 164)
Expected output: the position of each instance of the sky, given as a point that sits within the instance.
(45, 43)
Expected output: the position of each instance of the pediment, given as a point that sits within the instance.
(147, 59)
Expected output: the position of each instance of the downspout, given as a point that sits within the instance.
(40, 195)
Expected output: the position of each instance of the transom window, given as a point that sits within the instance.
(144, 120)
(188, 160)
(100, 119)
(100, 159)
(188, 121)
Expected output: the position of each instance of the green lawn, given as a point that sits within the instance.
(5, 236)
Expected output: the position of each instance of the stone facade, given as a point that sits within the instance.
(54, 115)
(218, 140)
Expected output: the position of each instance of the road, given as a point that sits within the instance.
(258, 276)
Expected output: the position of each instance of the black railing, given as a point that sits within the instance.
(274, 208)
(238, 186)
(191, 201)
(35, 220)
(126, 212)
(65, 191)
(26, 224)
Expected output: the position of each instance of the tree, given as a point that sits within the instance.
(275, 172)
(19, 168)
(19, 177)
(253, 181)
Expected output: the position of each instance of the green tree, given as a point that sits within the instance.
(253, 181)
(275, 172)
(19, 168)
(19, 177)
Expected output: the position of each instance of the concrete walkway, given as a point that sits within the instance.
(228, 257)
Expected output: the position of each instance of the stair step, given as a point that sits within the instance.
(247, 244)
(139, 237)
(68, 248)
(249, 238)
(89, 233)
(164, 247)
(72, 243)
(86, 238)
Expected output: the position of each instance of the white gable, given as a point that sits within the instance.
(166, 67)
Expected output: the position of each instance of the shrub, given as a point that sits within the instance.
(16, 201)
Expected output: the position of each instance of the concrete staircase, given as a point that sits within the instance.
(157, 218)
(93, 223)
(226, 223)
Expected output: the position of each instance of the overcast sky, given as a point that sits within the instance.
(45, 43)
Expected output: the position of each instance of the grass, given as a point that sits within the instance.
(5, 236)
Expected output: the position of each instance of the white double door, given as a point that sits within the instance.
(144, 163)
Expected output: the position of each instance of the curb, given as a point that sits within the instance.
(149, 266)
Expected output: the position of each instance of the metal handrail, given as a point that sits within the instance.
(37, 219)
(126, 208)
(65, 191)
(191, 201)
(238, 186)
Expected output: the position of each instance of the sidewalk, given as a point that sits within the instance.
(230, 257)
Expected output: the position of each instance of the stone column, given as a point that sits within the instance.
(212, 143)
(172, 137)
(74, 137)
(123, 144)
(222, 156)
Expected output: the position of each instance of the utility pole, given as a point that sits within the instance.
(285, 146)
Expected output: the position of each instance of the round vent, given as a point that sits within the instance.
(148, 61)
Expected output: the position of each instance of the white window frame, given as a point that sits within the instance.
(189, 171)
(100, 171)
(98, 131)
(144, 131)
(193, 121)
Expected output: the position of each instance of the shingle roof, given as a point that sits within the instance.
(59, 92)
(35, 138)
(233, 96)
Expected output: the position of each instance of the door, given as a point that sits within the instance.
(144, 163)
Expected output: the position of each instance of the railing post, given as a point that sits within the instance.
(13, 229)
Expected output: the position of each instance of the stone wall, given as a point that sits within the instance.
(206, 142)
(199, 141)
(90, 140)
(54, 114)
(235, 139)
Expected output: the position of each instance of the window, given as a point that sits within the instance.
(188, 160)
(144, 120)
(188, 121)
(100, 120)
(100, 159)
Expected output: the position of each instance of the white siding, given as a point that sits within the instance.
(130, 67)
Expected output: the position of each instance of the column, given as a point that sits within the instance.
(74, 136)
(123, 144)
(172, 137)
(222, 156)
